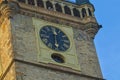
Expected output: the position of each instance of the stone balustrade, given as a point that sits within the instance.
(80, 11)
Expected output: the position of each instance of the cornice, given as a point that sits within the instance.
(55, 67)
(90, 28)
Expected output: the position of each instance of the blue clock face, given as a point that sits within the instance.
(54, 38)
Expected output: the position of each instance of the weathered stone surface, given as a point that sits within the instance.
(87, 54)
(31, 72)
(24, 39)
(25, 48)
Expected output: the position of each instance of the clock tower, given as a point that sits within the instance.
(48, 40)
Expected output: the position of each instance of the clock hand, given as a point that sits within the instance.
(56, 43)
(55, 34)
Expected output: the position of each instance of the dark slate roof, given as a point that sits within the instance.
(79, 2)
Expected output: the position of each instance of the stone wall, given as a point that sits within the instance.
(25, 50)
(31, 72)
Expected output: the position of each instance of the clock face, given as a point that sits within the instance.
(54, 38)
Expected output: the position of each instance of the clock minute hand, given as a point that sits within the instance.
(55, 34)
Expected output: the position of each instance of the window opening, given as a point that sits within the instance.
(67, 10)
(90, 14)
(23, 1)
(76, 12)
(31, 2)
(57, 58)
(58, 7)
(49, 5)
(84, 14)
(40, 3)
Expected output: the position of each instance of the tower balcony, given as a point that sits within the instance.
(59, 8)
(58, 11)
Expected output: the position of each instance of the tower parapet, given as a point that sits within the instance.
(80, 12)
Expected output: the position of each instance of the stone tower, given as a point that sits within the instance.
(48, 40)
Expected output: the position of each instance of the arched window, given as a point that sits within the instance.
(67, 10)
(84, 14)
(89, 11)
(31, 2)
(40, 3)
(49, 5)
(23, 1)
(76, 12)
(58, 7)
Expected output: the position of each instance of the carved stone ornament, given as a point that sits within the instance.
(92, 29)
(80, 35)
(8, 9)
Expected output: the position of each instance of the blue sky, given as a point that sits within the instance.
(107, 40)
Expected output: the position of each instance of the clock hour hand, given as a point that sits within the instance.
(56, 43)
